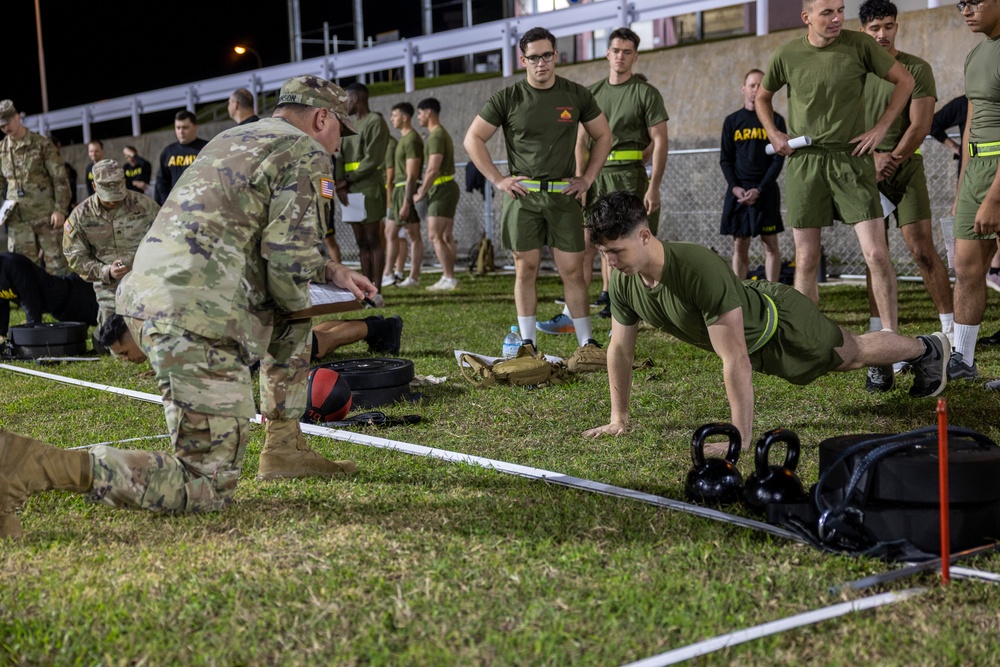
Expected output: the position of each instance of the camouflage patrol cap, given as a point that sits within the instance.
(7, 111)
(313, 91)
(109, 181)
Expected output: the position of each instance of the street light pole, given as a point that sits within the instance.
(245, 49)
(41, 58)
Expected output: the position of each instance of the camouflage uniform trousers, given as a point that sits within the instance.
(26, 237)
(105, 303)
(284, 370)
(207, 401)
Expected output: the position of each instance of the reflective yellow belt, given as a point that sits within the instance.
(624, 156)
(770, 327)
(984, 149)
(402, 183)
(444, 179)
(351, 166)
(917, 152)
(545, 186)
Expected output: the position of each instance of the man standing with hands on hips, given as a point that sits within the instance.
(539, 116)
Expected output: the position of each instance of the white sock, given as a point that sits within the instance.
(874, 323)
(583, 331)
(527, 327)
(566, 311)
(947, 322)
(965, 341)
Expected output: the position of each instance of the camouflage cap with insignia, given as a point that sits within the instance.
(313, 91)
(7, 111)
(109, 181)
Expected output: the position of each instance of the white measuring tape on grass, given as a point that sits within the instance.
(774, 627)
(446, 455)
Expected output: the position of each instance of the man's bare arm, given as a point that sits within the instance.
(600, 132)
(475, 145)
(729, 341)
(903, 80)
(661, 146)
(765, 114)
(413, 165)
(621, 352)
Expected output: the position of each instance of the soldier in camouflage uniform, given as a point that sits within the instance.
(34, 175)
(102, 234)
(226, 261)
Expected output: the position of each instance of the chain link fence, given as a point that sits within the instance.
(692, 196)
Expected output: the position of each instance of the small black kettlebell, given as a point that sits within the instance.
(714, 481)
(774, 484)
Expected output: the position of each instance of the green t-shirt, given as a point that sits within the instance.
(409, 146)
(539, 126)
(390, 153)
(439, 143)
(696, 288)
(365, 149)
(826, 85)
(878, 92)
(982, 87)
(631, 109)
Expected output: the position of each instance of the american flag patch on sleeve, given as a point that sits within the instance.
(326, 187)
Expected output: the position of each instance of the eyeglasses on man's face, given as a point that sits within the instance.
(971, 6)
(547, 57)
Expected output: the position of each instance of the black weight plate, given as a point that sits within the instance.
(372, 398)
(50, 333)
(373, 373)
(971, 525)
(38, 351)
(911, 476)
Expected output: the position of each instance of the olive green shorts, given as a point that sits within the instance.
(442, 200)
(976, 182)
(542, 218)
(823, 185)
(630, 177)
(803, 347)
(907, 189)
(398, 195)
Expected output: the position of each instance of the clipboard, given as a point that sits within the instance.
(325, 299)
(6, 209)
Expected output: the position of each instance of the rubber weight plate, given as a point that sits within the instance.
(911, 476)
(50, 333)
(373, 398)
(373, 373)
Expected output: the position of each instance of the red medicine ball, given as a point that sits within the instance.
(329, 396)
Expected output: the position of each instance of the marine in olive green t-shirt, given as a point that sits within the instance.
(361, 160)
(878, 92)
(410, 146)
(540, 125)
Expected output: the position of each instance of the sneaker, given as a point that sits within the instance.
(993, 281)
(959, 370)
(560, 324)
(409, 282)
(993, 385)
(388, 280)
(903, 366)
(931, 370)
(530, 345)
(398, 278)
(384, 334)
(990, 340)
(605, 312)
(592, 343)
(444, 285)
(561, 300)
(602, 300)
(880, 379)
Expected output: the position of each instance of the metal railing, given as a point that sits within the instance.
(499, 35)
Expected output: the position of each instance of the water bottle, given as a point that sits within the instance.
(511, 343)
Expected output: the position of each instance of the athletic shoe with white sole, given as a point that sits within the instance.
(409, 282)
(990, 340)
(602, 300)
(993, 281)
(930, 370)
(444, 285)
(959, 370)
(560, 324)
(880, 379)
(388, 280)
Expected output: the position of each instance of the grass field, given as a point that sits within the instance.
(415, 561)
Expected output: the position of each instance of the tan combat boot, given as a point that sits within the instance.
(28, 466)
(287, 454)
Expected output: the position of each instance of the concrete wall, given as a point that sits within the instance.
(700, 84)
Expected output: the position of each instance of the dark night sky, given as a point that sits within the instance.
(112, 48)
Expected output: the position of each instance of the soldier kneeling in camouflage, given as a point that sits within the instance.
(227, 259)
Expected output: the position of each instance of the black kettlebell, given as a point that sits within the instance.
(774, 484)
(714, 480)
